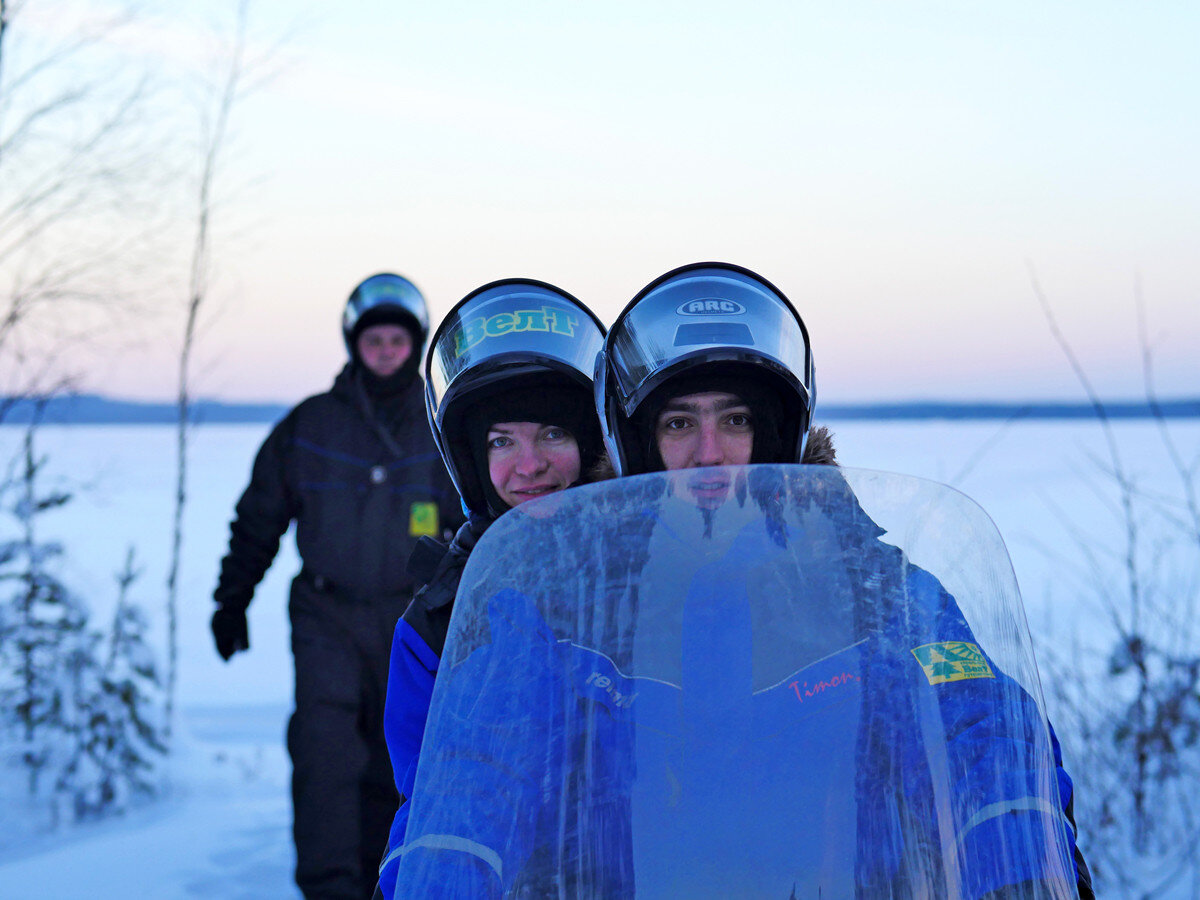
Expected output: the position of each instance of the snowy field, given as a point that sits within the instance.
(224, 830)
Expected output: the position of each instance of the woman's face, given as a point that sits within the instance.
(528, 460)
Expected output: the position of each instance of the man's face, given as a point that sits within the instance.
(384, 348)
(709, 429)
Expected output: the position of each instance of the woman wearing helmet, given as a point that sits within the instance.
(710, 366)
(509, 399)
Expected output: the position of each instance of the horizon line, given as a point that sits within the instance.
(90, 408)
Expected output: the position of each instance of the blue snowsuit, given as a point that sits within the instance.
(556, 810)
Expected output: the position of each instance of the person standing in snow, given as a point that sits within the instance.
(358, 471)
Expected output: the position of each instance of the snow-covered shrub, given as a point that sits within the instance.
(79, 708)
(1128, 707)
(42, 622)
(118, 729)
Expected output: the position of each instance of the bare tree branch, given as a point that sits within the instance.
(228, 92)
(1187, 477)
(5, 15)
(1119, 472)
(1144, 731)
(78, 195)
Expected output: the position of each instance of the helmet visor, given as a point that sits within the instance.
(705, 315)
(384, 291)
(512, 324)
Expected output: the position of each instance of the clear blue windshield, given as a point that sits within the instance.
(767, 681)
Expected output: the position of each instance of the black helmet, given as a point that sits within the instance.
(706, 326)
(512, 350)
(385, 298)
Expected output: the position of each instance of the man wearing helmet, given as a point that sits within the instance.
(509, 397)
(708, 334)
(709, 366)
(357, 470)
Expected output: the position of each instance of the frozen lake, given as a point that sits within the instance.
(225, 833)
(1032, 478)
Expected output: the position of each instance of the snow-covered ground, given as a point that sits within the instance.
(224, 829)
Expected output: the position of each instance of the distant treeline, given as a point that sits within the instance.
(1138, 409)
(92, 409)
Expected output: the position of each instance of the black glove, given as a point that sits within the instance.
(230, 631)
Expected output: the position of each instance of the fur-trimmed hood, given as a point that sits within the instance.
(818, 451)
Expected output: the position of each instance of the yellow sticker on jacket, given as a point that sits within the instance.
(952, 661)
(423, 519)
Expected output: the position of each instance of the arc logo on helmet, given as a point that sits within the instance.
(548, 318)
(710, 307)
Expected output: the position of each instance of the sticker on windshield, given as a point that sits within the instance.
(952, 661)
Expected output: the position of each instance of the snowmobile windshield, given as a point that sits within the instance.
(511, 324)
(763, 681)
(706, 315)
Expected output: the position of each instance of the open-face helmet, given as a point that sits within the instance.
(708, 326)
(515, 350)
(385, 298)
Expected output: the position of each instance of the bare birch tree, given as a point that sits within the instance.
(222, 98)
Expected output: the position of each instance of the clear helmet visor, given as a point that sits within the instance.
(507, 336)
(385, 290)
(705, 314)
(506, 325)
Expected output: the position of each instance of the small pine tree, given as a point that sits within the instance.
(79, 710)
(118, 738)
(41, 618)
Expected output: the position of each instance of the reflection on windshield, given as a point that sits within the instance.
(708, 487)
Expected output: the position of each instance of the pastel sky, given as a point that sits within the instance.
(895, 168)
